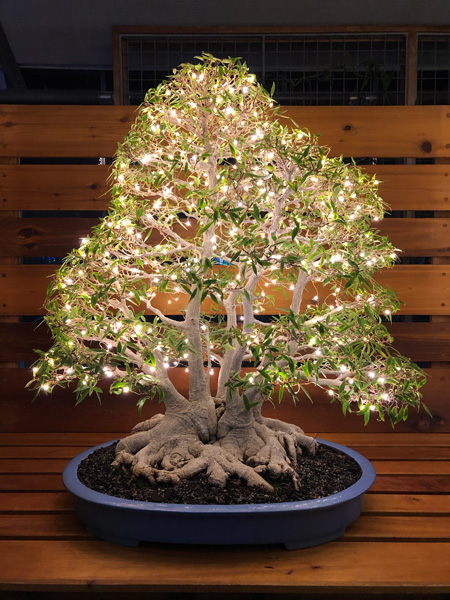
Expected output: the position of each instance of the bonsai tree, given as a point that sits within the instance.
(220, 216)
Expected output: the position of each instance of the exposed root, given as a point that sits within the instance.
(168, 448)
(290, 434)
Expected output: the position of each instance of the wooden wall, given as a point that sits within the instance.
(80, 132)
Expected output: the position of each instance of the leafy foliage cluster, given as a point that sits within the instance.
(217, 198)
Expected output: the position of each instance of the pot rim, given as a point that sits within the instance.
(74, 485)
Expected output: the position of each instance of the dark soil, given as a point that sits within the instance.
(329, 472)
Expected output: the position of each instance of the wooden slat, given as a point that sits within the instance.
(119, 413)
(39, 502)
(418, 237)
(84, 187)
(29, 465)
(374, 503)
(420, 341)
(30, 237)
(378, 131)
(23, 288)
(385, 453)
(89, 131)
(14, 482)
(26, 237)
(382, 467)
(42, 526)
(54, 187)
(400, 528)
(404, 131)
(409, 484)
(406, 504)
(48, 452)
(413, 187)
(80, 565)
(23, 237)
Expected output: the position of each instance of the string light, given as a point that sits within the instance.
(318, 225)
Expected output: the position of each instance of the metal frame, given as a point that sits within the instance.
(412, 32)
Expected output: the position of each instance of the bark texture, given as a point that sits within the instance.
(203, 438)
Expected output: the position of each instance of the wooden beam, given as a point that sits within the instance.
(54, 187)
(92, 131)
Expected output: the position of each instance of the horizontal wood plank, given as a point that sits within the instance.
(397, 131)
(30, 465)
(23, 289)
(378, 131)
(54, 187)
(117, 413)
(410, 484)
(39, 502)
(382, 467)
(413, 187)
(82, 565)
(406, 504)
(31, 237)
(85, 187)
(420, 341)
(374, 503)
(386, 528)
(46, 452)
(418, 237)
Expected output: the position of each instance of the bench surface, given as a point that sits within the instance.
(400, 544)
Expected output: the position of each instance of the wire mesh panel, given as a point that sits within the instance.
(148, 60)
(337, 69)
(306, 69)
(433, 69)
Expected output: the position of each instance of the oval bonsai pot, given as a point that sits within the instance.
(299, 524)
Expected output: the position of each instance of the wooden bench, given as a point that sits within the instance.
(399, 546)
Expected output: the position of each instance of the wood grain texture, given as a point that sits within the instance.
(378, 131)
(418, 237)
(81, 565)
(413, 187)
(57, 411)
(23, 288)
(54, 187)
(414, 131)
(85, 187)
(31, 237)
